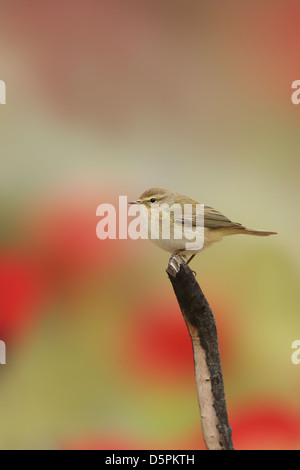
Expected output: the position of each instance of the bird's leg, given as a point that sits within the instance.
(184, 257)
(174, 262)
(190, 258)
(188, 262)
(179, 253)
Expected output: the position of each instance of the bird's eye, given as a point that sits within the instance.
(152, 200)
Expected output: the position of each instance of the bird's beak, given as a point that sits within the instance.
(135, 202)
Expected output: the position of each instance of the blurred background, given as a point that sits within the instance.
(108, 98)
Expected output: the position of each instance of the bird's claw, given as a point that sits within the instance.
(174, 263)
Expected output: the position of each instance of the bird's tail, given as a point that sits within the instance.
(252, 231)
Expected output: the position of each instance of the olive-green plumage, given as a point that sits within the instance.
(216, 225)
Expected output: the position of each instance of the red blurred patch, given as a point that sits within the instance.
(158, 341)
(159, 345)
(21, 290)
(69, 242)
(266, 426)
(67, 245)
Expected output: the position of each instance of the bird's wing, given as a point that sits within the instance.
(215, 219)
(212, 219)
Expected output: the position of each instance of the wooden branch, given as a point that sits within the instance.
(201, 325)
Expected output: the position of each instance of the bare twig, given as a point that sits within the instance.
(208, 372)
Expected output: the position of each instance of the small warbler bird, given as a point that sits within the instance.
(157, 204)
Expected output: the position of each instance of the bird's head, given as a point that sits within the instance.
(154, 196)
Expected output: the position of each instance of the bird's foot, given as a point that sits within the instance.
(177, 258)
(174, 263)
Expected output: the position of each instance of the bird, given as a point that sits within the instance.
(157, 203)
